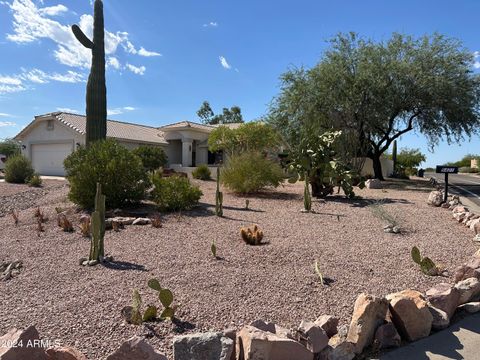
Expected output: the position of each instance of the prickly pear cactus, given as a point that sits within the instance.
(96, 98)
(218, 196)
(417, 258)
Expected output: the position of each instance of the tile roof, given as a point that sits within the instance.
(187, 124)
(115, 129)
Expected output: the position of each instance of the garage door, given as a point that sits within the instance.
(47, 159)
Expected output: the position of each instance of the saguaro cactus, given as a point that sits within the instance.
(218, 196)
(97, 251)
(96, 97)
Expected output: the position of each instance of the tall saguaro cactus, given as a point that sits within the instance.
(96, 89)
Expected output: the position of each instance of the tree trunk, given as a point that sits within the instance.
(377, 167)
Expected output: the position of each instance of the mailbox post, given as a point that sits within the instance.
(441, 169)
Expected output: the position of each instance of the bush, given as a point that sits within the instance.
(467, 169)
(202, 172)
(153, 157)
(18, 169)
(121, 173)
(251, 172)
(35, 181)
(174, 193)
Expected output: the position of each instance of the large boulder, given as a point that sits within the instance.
(328, 323)
(469, 290)
(387, 336)
(468, 270)
(435, 198)
(255, 344)
(445, 297)
(203, 346)
(65, 353)
(338, 349)
(22, 344)
(410, 314)
(273, 328)
(312, 336)
(373, 184)
(136, 348)
(368, 314)
(440, 320)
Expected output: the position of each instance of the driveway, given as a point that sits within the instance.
(467, 185)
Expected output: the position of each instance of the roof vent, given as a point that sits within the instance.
(49, 124)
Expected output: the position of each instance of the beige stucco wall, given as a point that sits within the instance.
(474, 163)
(174, 152)
(387, 167)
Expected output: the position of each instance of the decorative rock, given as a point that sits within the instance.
(85, 263)
(202, 346)
(459, 209)
(312, 336)
(368, 314)
(373, 184)
(273, 328)
(64, 353)
(342, 350)
(232, 334)
(473, 225)
(82, 260)
(470, 269)
(445, 297)
(387, 336)
(477, 238)
(410, 314)
(328, 323)
(136, 348)
(471, 307)
(468, 216)
(435, 198)
(469, 289)
(440, 318)
(122, 220)
(85, 218)
(142, 221)
(24, 337)
(255, 344)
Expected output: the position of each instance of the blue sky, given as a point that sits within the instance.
(166, 57)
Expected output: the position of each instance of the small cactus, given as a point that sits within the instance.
(218, 197)
(307, 198)
(247, 203)
(427, 265)
(15, 216)
(166, 298)
(252, 235)
(136, 316)
(319, 273)
(213, 249)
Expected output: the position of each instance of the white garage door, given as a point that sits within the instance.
(47, 159)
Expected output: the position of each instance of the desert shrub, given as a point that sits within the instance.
(174, 193)
(153, 157)
(35, 181)
(18, 169)
(118, 170)
(202, 172)
(251, 172)
(467, 169)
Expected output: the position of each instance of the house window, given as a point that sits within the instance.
(49, 124)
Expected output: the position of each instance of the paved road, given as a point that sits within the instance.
(466, 185)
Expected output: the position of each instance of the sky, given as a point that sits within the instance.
(164, 58)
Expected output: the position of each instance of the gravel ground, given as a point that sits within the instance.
(276, 282)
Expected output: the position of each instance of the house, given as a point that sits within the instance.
(50, 138)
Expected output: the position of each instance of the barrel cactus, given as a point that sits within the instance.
(96, 98)
(252, 235)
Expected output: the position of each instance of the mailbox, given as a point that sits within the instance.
(442, 169)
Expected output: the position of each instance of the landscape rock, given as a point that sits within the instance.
(460, 216)
(142, 221)
(469, 289)
(471, 307)
(328, 323)
(342, 350)
(255, 344)
(468, 216)
(203, 346)
(459, 209)
(440, 318)
(435, 198)
(473, 223)
(476, 227)
(27, 345)
(470, 269)
(231, 333)
(273, 328)
(136, 348)
(121, 220)
(64, 353)
(373, 184)
(410, 314)
(312, 336)
(445, 297)
(387, 336)
(368, 314)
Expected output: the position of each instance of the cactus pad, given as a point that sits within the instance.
(417, 258)
(168, 313)
(150, 314)
(154, 284)
(166, 297)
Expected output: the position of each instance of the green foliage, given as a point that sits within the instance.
(174, 193)
(251, 136)
(417, 258)
(118, 170)
(18, 169)
(228, 116)
(96, 88)
(468, 170)
(250, 172)
(153, 157)
(150, 314)
(218, 197)
(154, 284)
(465, 161)
(427, 265)
(202, 172)
(35, 180)
(9, 147)
(366, 89)
(97, 227)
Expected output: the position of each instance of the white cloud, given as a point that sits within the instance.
(211, 24)
(143, 52)
(8, 89)
(129, 108)
(7, 123)
(135, 69)
(32, 23)
(5, 115)
(120, 110)
(224, 62)
(67, 110)
(476, 56)
(113, 62)
(8, 80)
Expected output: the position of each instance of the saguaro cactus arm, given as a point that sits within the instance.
(81, 37)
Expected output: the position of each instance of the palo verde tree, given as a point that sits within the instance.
(374, 92)
(96, 97)
(228, 116)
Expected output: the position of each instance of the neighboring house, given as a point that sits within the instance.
(50, 138)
